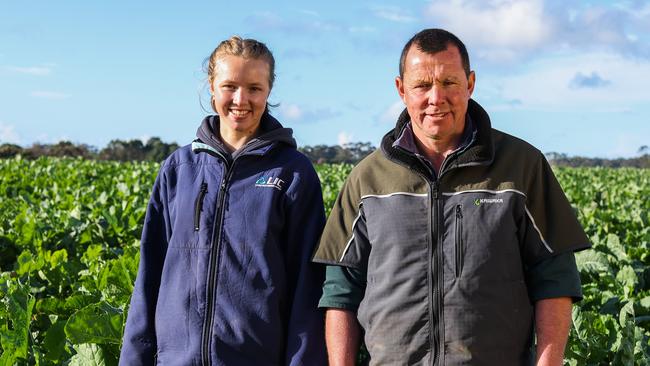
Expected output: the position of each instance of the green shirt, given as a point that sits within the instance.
(553, 277)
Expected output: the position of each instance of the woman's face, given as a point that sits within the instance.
(240, 89)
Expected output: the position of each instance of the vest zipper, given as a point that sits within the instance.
(435, 270)
(213, 267)
(198, 205)
(432, 323)
(459, 240)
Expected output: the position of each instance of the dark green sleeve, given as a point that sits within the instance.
(344, 288)
(556, 276)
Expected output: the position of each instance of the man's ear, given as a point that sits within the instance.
(471, 81)
(399, 84)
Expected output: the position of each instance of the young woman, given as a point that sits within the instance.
(225, 276)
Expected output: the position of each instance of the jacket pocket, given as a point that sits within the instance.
(459, 240)
(198, 205)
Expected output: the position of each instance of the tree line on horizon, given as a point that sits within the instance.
(155, 149)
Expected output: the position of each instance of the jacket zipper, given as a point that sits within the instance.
(459, 240)
(198, 205)
(430, 281)
(213, 265)
(434, 274)
(438, 338)
(435, 295)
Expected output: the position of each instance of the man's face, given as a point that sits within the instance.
(436, 92)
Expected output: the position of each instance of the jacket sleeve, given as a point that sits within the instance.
(139, 340)
(345, 239)
(551, 225)
(305, 344)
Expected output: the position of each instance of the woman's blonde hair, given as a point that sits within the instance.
(246, 48)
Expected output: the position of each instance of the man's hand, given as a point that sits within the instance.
(341, 337)
(552, 322)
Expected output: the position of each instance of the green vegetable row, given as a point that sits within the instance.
(70, 234)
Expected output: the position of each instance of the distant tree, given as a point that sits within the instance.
(643, 150)
(349, 153)
(157, 150)
(123, 150)
(581, 161)
(154, 150)
(67, 148)
(358, 150)
(10, 150)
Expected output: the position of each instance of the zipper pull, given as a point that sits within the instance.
(435, 190)
(459, 212)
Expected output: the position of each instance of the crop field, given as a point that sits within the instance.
(69, 249)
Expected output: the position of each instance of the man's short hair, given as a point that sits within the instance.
(432, 41)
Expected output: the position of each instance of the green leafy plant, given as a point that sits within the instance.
(69, 251)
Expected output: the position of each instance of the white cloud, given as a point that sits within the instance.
(393, 13)
(512, 30)
(344, 138)
(497, 25)
(291, 111)
(49, 95)
(32, 70)
(8, 134)
(547, 83)
(391, 113)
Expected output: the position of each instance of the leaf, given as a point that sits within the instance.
(592, 261)
(75, 213)
(97, 323)
(58, 257)
(20, 304)
(88, 355)
(626, 320)
(627, 314)
(645, 302)
(103, 198)
(577, 318)
(627, 277)
(54, 341)
(26, 263)
(115, 279)
(614, 245)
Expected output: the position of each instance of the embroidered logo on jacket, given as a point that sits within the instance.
(272, 182)
(480, 201)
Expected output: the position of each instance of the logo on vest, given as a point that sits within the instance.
(270, 182)
(480, 201)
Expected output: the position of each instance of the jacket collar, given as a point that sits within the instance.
(271, 133)
(480, 152)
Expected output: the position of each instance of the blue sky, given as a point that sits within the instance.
(569, 77)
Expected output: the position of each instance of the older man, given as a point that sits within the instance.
(453, 243)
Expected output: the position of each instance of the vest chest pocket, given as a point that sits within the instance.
(458, 247)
